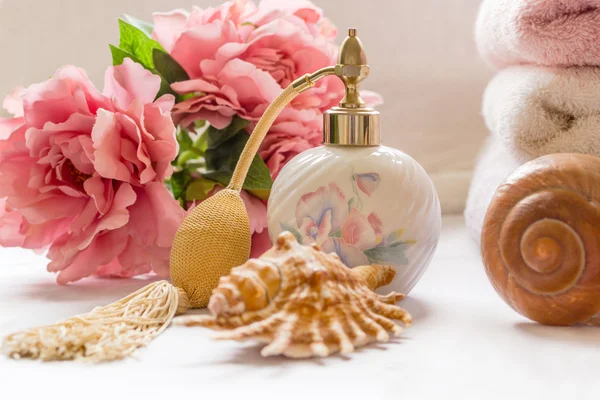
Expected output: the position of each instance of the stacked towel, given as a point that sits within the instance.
(535, 111)
(544, 32)
(546, 99)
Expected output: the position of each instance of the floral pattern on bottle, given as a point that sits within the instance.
(336, 223)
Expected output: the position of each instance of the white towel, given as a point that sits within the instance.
(494, 166)
(536, 110)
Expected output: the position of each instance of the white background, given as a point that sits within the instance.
(465, 343)
(422, 55)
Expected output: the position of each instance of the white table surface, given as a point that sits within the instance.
(465, 343)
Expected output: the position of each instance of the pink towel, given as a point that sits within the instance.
(546, 32)
(535, 111)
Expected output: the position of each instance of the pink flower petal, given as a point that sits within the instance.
(155, 216)
(367, 183)
(315, 205)
(377, 226)
(46, 208)
(107, 144)
(350, 255)
(278, 150)
(8, 126)
(10, 226)
(136, 259)
(309, 230)
(165, 104)
(101, 251)
(261, 242)
(357, 231)
(194, 85)
(168, 27)
(63, 252)
(128, 82)
(68, 92)
(200, 42)
(324, 228)
(159, 140)
(253, 86)
(13, 102)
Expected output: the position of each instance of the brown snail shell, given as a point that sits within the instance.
(541, 240)
(303, 302)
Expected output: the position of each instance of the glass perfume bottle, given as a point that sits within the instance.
(369, 203)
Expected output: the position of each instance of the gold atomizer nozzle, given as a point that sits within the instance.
(352, 123)
(352, 68)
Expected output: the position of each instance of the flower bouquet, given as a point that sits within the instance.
(101, 179)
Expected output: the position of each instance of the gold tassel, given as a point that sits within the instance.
(106, 333)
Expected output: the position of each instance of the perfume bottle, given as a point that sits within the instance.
(369, 203)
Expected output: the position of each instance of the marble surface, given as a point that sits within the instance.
(465, 344)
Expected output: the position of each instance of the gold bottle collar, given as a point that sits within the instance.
(352, 126)
(352, 123)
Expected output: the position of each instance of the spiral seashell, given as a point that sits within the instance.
(541, 240)
(303, 302)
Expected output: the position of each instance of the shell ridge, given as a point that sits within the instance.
(320, 307)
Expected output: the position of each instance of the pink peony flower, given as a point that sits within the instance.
(81, 172)
(240, 56)
(294, 132)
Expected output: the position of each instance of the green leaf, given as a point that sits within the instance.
(165, 88)
(223, 151)
(201, 144)
(119, 55)
(199, 189)
(143, 26)
(167, 67)
(187, 152)
(289, 228)
(186, 156)
(257, 182)
(179, 183)
(184, 139)
(262, 194)
(136, 42)
(337, 234)
(393, 254)
(216, 137)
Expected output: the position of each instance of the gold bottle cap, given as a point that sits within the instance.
(352, 123)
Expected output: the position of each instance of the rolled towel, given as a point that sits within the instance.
(545, 32)
(536, 111)
(494, 166)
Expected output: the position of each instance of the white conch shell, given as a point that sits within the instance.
(303, 302)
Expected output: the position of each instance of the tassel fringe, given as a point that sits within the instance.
(106, 333)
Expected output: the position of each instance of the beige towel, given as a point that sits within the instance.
(536, 110)
(494, 166)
